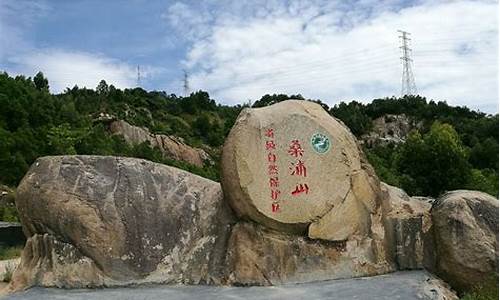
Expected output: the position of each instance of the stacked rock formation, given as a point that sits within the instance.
(298, 203)
(292, 168)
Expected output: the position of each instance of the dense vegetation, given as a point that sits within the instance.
(454, 148)
(34, 123)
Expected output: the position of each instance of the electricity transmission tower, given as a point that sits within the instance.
(138, 76)
(186, 84)
(408, 86)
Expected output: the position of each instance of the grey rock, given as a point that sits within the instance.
(466, 233)
(260, 256)
(390, 129)
(171, 146)
(135, 220)
(414, 285)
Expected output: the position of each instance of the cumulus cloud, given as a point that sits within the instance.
(338, 50)
(63, 67)
(67, 68)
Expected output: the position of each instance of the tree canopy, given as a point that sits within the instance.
(455, 147)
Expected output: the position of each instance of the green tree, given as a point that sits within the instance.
(267, 99)
(102, 88)
(202, 125)
(62, 139)
(484, 154)
(354, 116)
(41, 83)
(434, 163)
(484, 180)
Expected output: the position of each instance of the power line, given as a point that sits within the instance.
(408, 86)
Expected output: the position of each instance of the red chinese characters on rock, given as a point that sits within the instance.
(298, 167)
(272, 169)
(295, 149)
(301, 188)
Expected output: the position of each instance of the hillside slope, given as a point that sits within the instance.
(453, 144)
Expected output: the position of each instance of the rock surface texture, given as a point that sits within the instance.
(390, 129)
(466, 231)
(95, 220)
(260, 256)
(413, 285)
(411, 229)
(171, 146)
(293, 168)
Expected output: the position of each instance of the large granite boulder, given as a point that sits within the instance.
(466, 233)
(95, 220)
(294, 168)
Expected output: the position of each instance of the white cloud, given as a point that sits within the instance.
(66, 68)
(63, 67)
(334, 51)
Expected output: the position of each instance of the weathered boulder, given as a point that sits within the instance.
(171, 146)
(292, 167)
(95, 220)
(411, 229)
(261, 256)
(466, 234)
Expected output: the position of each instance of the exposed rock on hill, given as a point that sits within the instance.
(95, 220)
(171, 146)
(389, 129)
(466, 230)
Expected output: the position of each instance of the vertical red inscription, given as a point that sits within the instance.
(272, 169)
(298, 167)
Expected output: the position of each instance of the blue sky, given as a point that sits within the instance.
(240, 50)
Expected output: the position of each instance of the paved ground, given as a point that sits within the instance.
(399, 285)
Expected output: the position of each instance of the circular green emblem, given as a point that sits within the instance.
(320, 143)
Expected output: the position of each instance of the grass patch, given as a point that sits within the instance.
(488, 290)
(10, 252)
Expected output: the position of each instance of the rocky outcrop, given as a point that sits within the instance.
(293, 168)
(309, 205)
(466, 232)
(411, 229)
(171, 146)
(260, 256)
(94, 220)
(389, 129)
